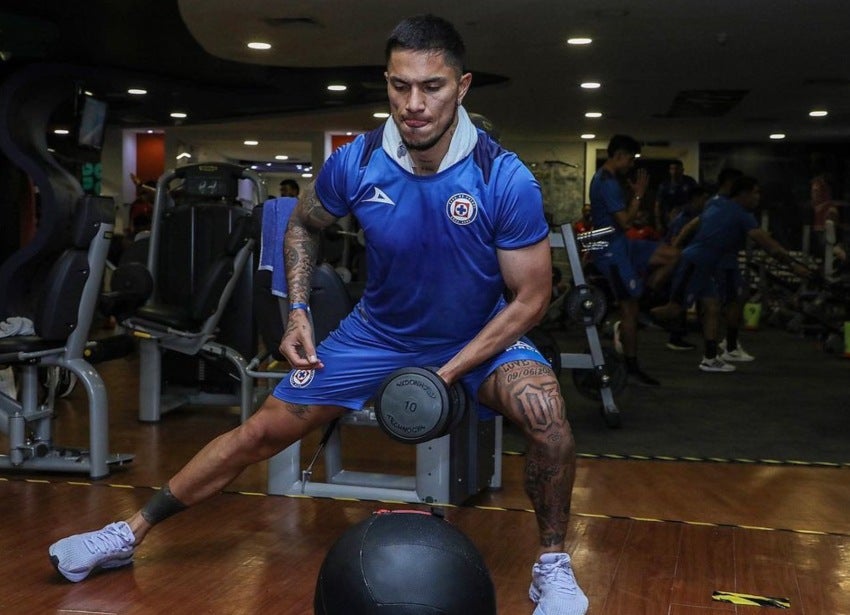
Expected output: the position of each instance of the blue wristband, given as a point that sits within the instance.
(300, 306)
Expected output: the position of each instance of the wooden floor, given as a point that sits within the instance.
(646, 537)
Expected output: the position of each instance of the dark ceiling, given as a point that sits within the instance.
(689, 70)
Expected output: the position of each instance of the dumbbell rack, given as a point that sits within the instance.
(595, 358)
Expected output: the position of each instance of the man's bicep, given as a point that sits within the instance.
(310, 212)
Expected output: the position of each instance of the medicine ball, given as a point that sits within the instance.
(404, 563)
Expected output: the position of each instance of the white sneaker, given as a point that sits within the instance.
(554, 589)
(739, 354)
(715, 365)
(618, 343)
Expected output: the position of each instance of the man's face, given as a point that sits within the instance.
(676, 171)
(623, 161)
(424, 93)
(750, 199)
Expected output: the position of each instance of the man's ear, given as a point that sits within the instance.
(463, 88)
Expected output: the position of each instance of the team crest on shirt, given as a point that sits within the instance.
(300, 378)
(462, 209)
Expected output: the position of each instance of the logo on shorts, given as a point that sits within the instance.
(300, 378)
(462, 209)
(520, 345)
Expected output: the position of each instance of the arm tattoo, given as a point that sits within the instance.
(302, 244)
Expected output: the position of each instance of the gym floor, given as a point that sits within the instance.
(646, 537)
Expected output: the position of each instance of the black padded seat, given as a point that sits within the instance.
(169, 316)
(25, 343)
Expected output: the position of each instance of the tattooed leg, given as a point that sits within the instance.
(528, 393)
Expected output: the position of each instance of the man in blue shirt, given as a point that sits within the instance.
(721, 229)
(451, 222)
(673, 193)
(625, 262)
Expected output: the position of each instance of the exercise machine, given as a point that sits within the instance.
(196, 329)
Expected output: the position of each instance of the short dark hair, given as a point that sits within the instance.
(291, 183)
(744, 183)
(623, 143)
(428, 33)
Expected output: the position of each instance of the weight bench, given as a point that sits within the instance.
(63, 315)
(594, 364)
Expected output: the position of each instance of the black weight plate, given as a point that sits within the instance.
(459, 405)
(412, 405)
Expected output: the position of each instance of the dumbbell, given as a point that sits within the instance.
(414, 405)
(335, 232)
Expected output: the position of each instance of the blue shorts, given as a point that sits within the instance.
(357, 359)
(626, 269)
(692, 281)
(730, 283)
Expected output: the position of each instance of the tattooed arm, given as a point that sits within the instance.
(301, 247)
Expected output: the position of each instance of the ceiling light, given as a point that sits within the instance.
(259, 45)
(184, 155)
(588, 135)
(250, 142)
(337, 87)
(306, 175)
(381, 115)
(777, 136)
(818, 113)
(61, 131)
(591, 85)
(579, 41)
(281, 157)
(178, 115)
(137, 91)
(593, 114)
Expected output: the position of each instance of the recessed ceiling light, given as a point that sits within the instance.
(337, 87)
(593, 114)
(381, 115)
(579, 40)
(250, 142)
(281, 157)
(591, 85)
(178, 115)
(588, 135)
(259, 45)
(307, 175)
(818, 113)
(137, 91)
(61, 131)
(777, 136)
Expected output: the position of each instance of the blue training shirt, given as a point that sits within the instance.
(722, 232)
(432, 241)
(607, 197)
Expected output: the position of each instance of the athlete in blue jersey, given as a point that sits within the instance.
(625, 262)
(453, 223)
(721, 229)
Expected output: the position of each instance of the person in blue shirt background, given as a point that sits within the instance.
(629, 265)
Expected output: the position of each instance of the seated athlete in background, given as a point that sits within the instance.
(441, 205)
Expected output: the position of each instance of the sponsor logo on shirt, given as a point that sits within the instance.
(300, 378)
(462, 209)
(379, 196)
